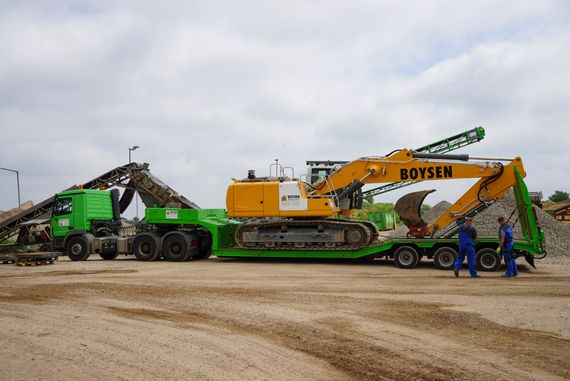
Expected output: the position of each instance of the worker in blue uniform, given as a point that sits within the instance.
(506, 244)
(467, 234)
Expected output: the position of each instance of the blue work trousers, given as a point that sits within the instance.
(469, 251)
(510, 262)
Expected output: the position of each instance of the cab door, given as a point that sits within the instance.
(62, 220)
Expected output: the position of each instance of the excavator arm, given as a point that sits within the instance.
(495, 179)
(406, 165)
(482, 194)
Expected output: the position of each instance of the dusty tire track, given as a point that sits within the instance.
(284, 321)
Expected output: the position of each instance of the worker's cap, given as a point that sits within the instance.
(468, 218)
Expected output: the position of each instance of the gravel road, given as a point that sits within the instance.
(223, 319)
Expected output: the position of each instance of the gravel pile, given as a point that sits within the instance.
(557, 234)
(4, 215)
(437, 210)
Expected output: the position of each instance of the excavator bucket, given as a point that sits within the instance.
(408, 208)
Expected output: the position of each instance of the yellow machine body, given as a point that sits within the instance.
(276, 199)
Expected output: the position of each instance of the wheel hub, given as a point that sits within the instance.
(446, 259)
(76, 249)
(406, 258)
(488, 260)
(145, 248)
(176, 249)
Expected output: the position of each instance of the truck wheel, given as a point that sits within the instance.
(175, 248)
(205, 246)
(444, 258)
(76, 249)
(109, 256)
(487, 260)
(406, 257)
(145, 247)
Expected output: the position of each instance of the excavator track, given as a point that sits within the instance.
(323, 234)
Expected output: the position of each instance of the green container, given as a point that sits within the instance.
(383, 220)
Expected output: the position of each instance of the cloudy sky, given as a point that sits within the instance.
(211, 89)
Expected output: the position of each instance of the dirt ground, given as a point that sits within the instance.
(280, 320)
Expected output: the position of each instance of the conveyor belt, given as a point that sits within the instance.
(133, 177)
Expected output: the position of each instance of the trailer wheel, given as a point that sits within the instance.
(76, 249)
(444, 258)
(145, 248)
(109, 256)
(487, 260)
(406, 257)
(175, 248)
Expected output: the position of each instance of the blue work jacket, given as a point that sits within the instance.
(467, 234)
(506, 231)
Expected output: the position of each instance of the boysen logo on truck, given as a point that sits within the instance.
(426, 173)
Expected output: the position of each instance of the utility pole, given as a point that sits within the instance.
(18, 184)
(136, 193)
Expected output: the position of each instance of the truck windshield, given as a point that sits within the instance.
(62, 206)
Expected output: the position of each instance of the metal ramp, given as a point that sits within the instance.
(134, 177)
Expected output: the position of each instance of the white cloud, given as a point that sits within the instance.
(211, 90)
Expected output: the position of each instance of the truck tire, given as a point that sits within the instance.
(109, 256)
(205, 246)
(145, 247)
(487, 260)
(175, 247)
(406, 257)
(76, 249)
(444, 258)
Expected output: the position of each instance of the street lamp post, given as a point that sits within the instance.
(130, 150)
(136, 193)
(18, 183)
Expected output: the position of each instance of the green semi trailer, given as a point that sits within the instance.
(86, 222)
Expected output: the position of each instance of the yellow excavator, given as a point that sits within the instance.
(286, 213)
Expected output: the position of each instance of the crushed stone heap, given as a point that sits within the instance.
(557, 234)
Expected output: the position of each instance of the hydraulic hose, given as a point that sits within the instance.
(490, 180)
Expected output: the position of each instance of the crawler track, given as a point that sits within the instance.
(323, 234)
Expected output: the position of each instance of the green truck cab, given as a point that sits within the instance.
(80, 210)
(87, 221)
(82, 221)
